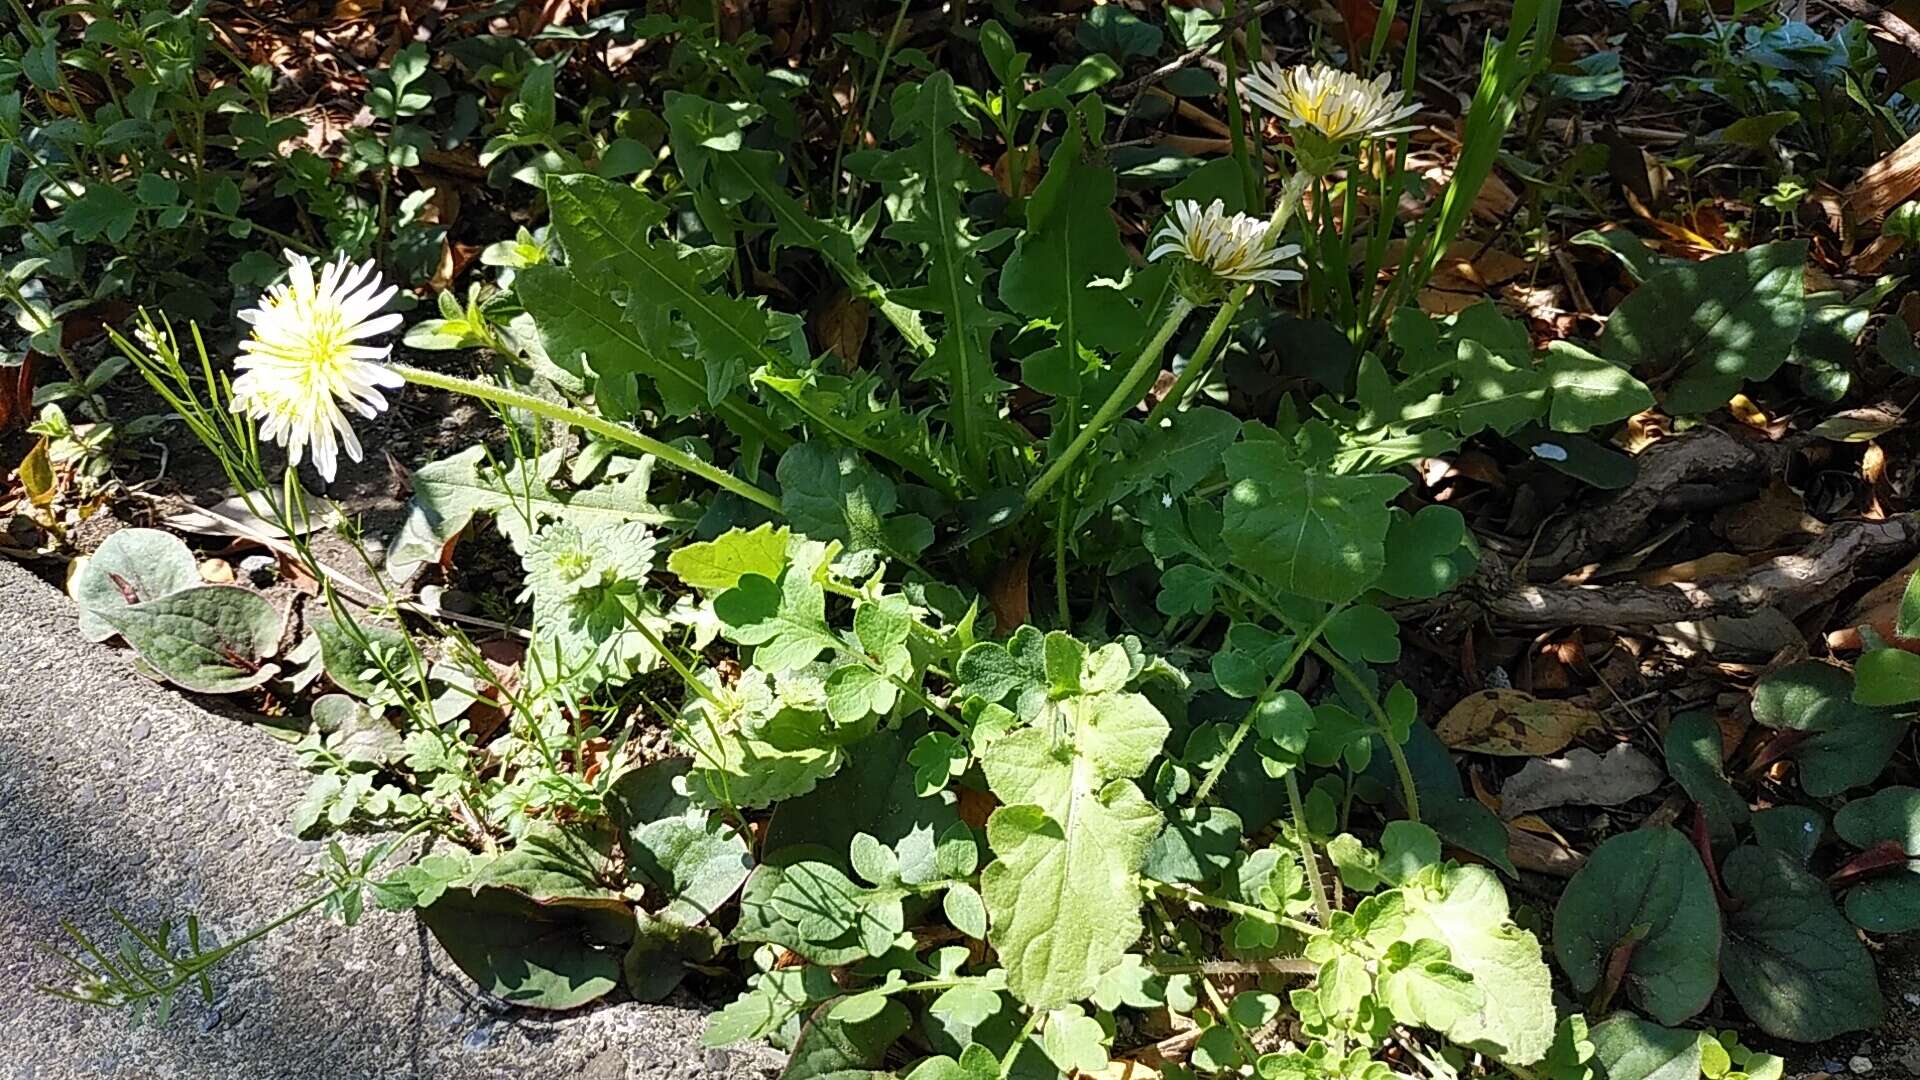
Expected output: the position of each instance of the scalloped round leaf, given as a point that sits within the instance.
(130, 567)
(1428, 553)
(211, 639)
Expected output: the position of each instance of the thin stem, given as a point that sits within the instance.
(1308, 860)
(1202, 357)
(515, 399)
(1232, 907)
(1409, 794)
(1245, 726)
(293, 242)
(1122, 396)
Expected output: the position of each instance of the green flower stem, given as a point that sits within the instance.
(515, 399)
(1231, 907)
(1246, 722)
(1123, 395)
(1308, 860)
(1202, 358)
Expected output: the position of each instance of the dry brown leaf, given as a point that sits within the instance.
(1714, 567)
(1779, 515)
(1541, 854)
(1887, 183)
(1008, 596)
(1582, 778)
(1744, 410)
(1513, 724)
(1880, 609)
(840, 326)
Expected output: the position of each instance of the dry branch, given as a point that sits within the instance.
(1700, 470)
(1791, 583)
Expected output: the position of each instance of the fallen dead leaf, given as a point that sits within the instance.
(1880, 609)
(1777, 516)
(840, 326)
(1514, 724)
(1887, 183)
(1582, 778)
(1715, 567)
(1541, 854)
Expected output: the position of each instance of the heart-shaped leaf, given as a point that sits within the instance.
(211, 639)
(130, 567)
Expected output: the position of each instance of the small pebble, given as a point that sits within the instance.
(262, 570)
(1860, 1064)
(216, 572)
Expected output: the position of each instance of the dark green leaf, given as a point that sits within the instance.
(1797, 967)
(1644, 890)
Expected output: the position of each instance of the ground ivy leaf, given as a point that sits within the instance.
(1468, 914)
(835, 495)
(786, 622)
(1427, 553)
(1648, 882)
(1796, 965)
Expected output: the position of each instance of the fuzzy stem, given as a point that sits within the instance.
(1308, 861)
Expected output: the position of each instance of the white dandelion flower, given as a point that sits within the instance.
(1338, 105)
(1231, 247)
(308, 355)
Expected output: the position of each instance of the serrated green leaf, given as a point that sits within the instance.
(1070, 243)
(927, 182)
(1588, 392)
